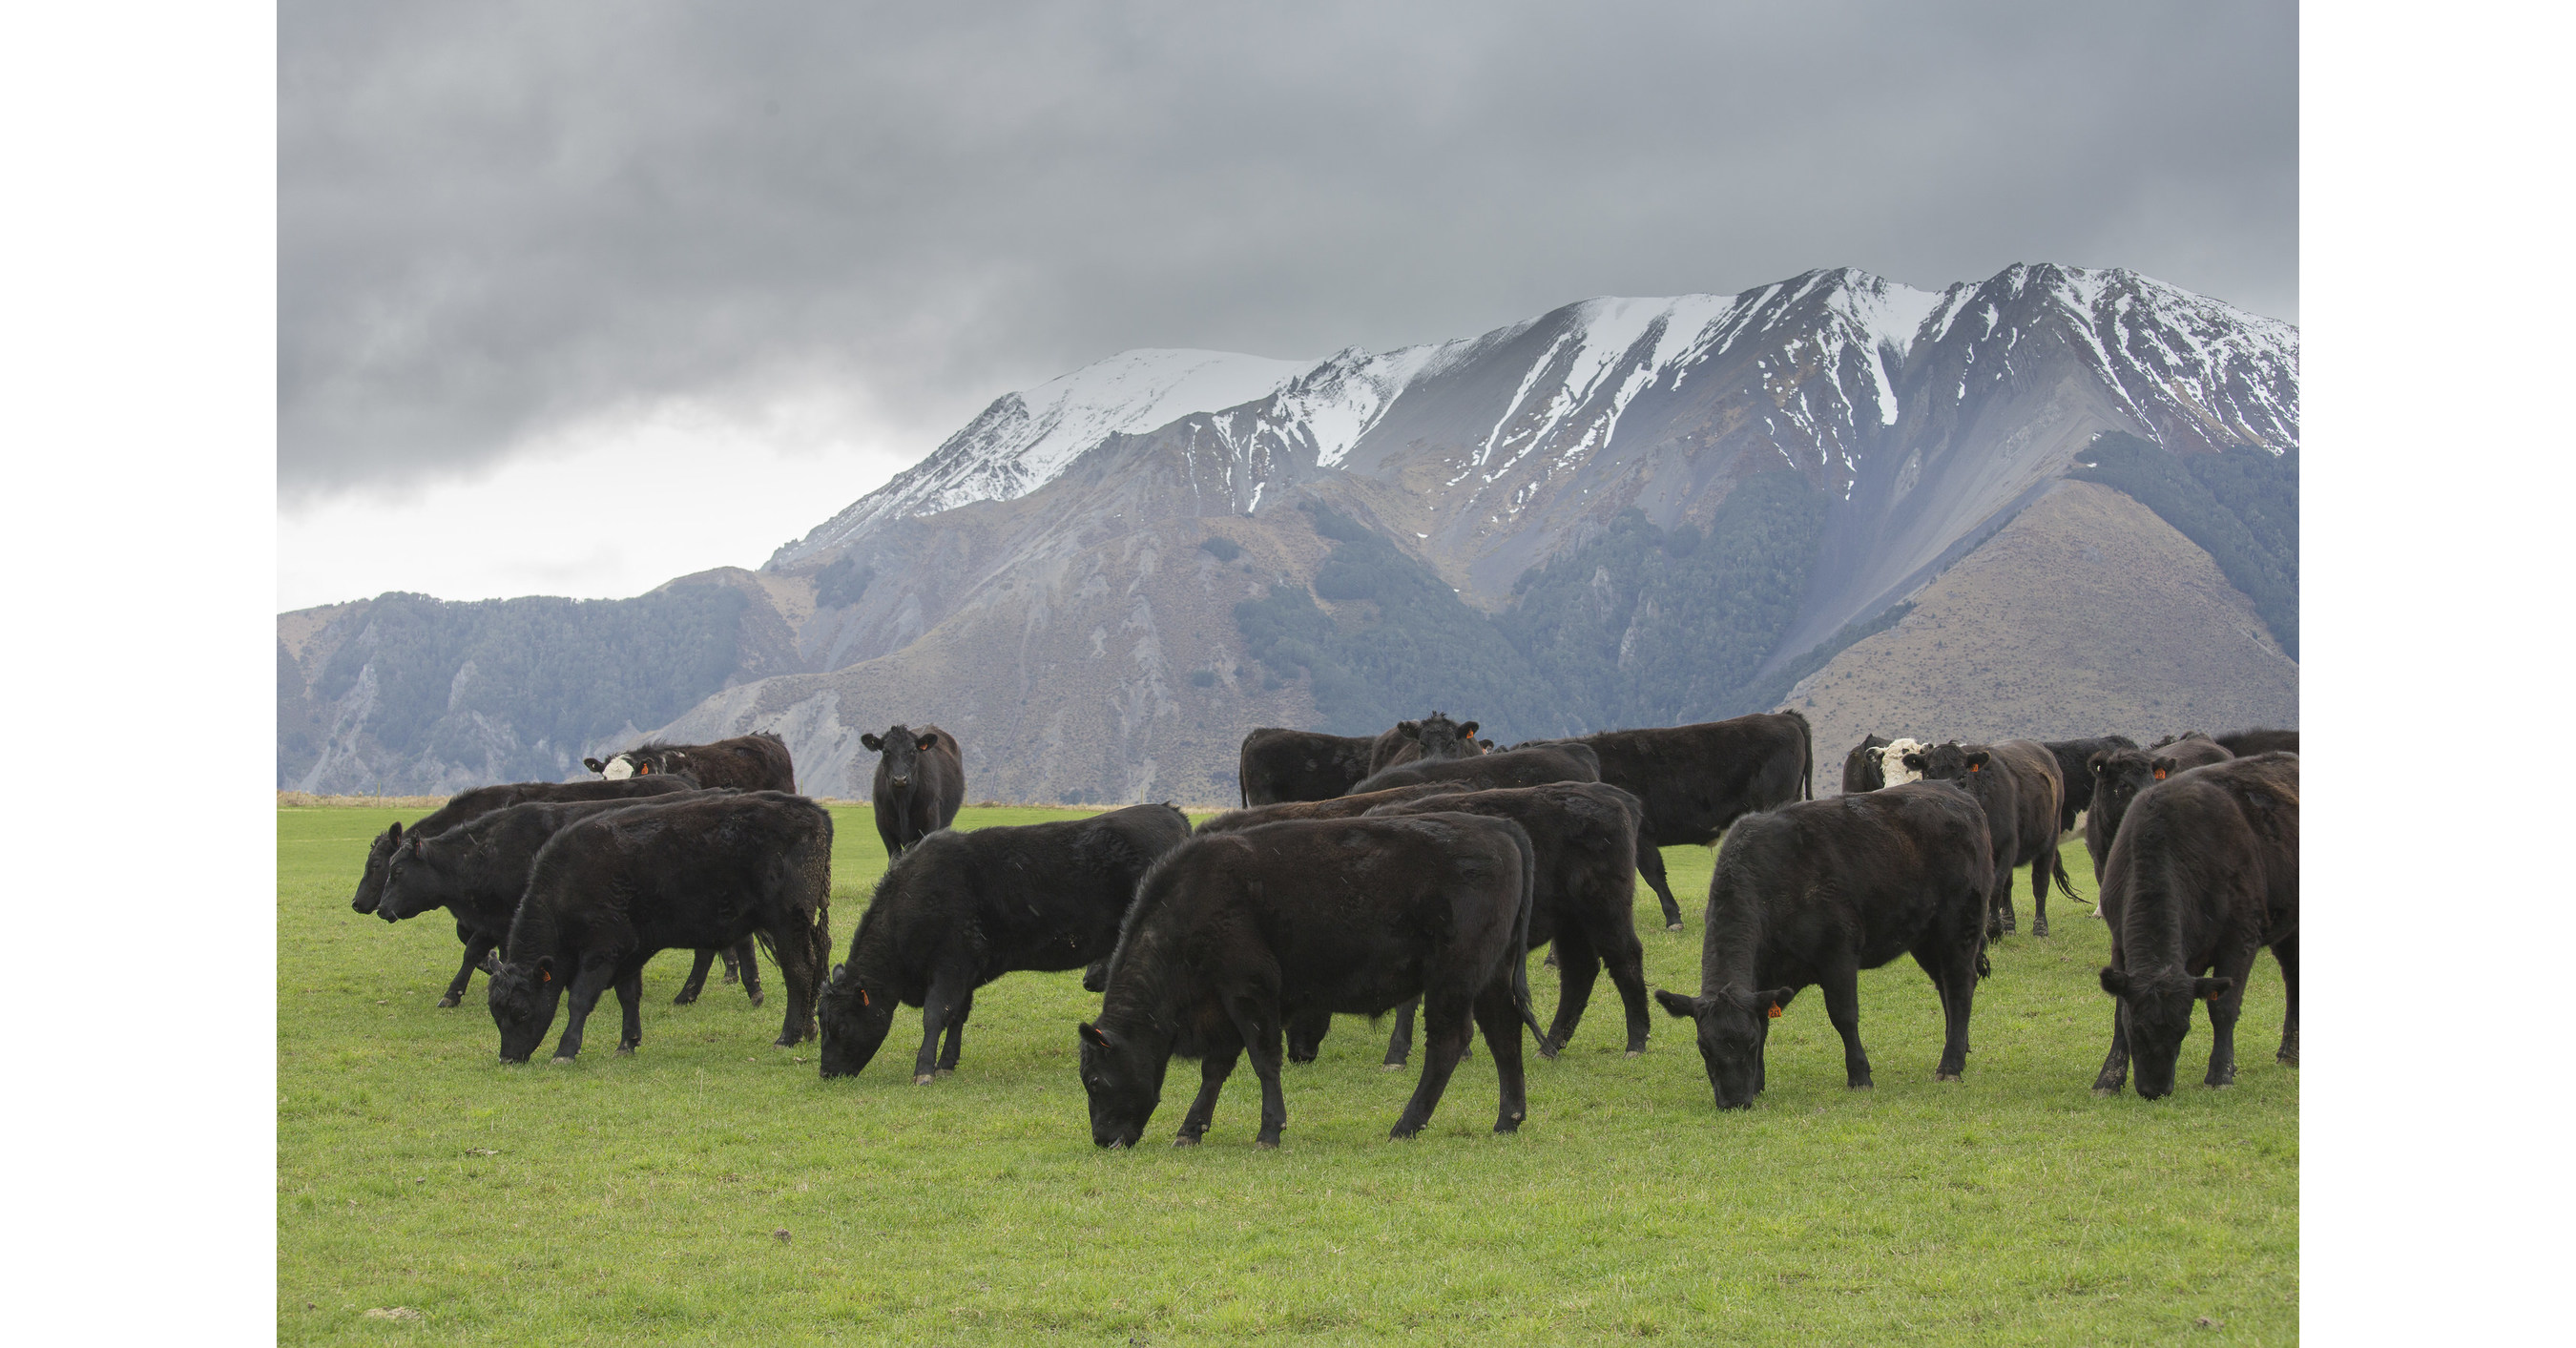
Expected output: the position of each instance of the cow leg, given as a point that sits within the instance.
(1575, 975)
(697, 980)
(2039, 870)
(592, 979)
(1953, 972)
(477, 945)
(1501, 1023)
(1256, 1018)
(947, 989)
(2115, 1064)
(1626, 960)
(2223, 1012)
(630, 1002)
(747, 960)
(1213, 1070)
(732, 964)
(1399, 1042)
(800, 965)
(1446, 1026)
(1841, 986)
(2000, 917)
(2286, 950)
(1650, 867)
(956, 1035)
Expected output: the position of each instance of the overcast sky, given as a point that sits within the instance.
(577, 297)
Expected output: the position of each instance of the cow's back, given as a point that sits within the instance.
(1277, 765)
(2206, 850)
(1534, 766)
(1697, 780)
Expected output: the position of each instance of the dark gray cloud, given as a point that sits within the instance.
(497, 220)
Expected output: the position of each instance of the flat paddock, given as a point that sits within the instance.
(626, 1198)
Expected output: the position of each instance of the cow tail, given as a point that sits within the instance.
(1807, 744)
(1520, 941)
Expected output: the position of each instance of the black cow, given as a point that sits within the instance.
(1278, 765)
(2118, 775)
(1339, 807)
(2075, 772)
(1532, 766)
(610, 892)
(1696, 780)
(479, 869)
(2246, 743)
(2204, 874)
(1584, 835)
(756, 762)
(1233, 934)
(1816, 892)
(1434, 737)
(960, 910)
(1860, 767)
(2017, 783)
(920, 782)
(482, 800)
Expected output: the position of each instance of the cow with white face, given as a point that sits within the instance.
(1891, 761)
(754, 762)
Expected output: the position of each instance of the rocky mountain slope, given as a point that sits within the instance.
(1058, 582)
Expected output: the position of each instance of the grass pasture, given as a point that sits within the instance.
(638, 1199)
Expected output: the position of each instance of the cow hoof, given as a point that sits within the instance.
(1185, 1140)
(756, 1000)
(684, 999)
(1265, 1144)
(925, 1078)
(626, 1050)
(1636, 1053)
(557, 1061)
(947, 1072)
(1547, 1051)
(1945, 1076)
(1672, 926)
(2105, 1092)
(2286, 1059)
(450, 999)
(2039, 929)
(1400, 1133)
(1393, 1066)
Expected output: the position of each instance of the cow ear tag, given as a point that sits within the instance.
(1775, 1010)
(545, 975)
(863, 996)
(2160, 774)
(1972, 767)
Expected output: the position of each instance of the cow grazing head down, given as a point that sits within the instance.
(854, 1020)
(1892, 756)
(523, 1004)
(2156, 1011)
(406, 866)
(902, 750)
(1441, 737)
(1124, 1079)
(1734, 1024)
(371, 881)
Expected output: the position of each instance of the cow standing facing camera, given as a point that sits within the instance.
(920, 782)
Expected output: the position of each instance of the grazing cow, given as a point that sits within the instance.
(2246, 743)
(1861, 770)
(960, 910)
(2118, 775)
(1339, 807)
(1433, 737)
(478, 869)
(1278, 765)
(1695, 780)
(1232, 935)
(2204, 874)
(2017, 783)
(1816, 892)
(756, 762)
(1584, 835)
(609, 892)
(2074, 770)
(1891, 761)
(920, 782)
(482, 800)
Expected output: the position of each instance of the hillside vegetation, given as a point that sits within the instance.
(2240, 505)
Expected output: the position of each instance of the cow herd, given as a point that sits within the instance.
(1411, 871)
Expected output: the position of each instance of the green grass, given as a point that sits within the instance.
(619, 1199)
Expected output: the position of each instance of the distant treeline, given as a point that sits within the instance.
(557, 671)
(2240, 505)
(1640, 626)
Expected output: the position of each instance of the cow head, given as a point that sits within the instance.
(2119, 775)
(631, 763)
(1951, 762)
(2155, 1011)
(523, 999)
(1899, 760)
(902, 751)
(1440, 737)
(371, 881)
(410, 872)
(854, 1019)
(1734, 1024)
(1123, 1076)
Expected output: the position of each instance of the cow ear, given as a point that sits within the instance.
(1679, 1006)
(1094, 1035)
(2115, 982)
(2096, 762)
(393, 832)
(926, 743)
(593, 764)
(2164, 767)
(1777, 999)
(1411, 730)
(838, 970)
(2211, 989)
(1467, 731)
(874, 744)
(1978, 758)
(545, 968)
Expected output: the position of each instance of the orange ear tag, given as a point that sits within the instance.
(1972, 767)
(863, 996)
(1775, 1010)
(2160, 774)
